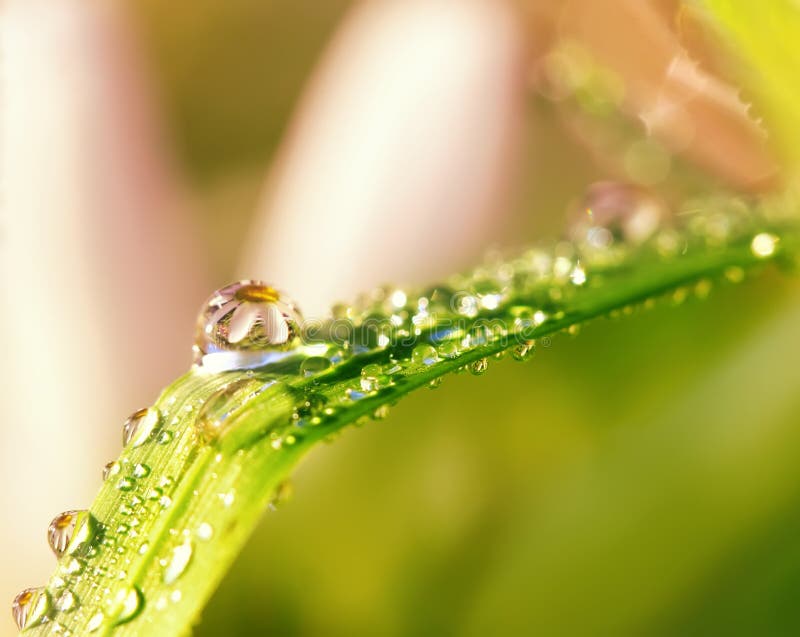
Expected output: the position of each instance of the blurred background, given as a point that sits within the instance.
(638, 480)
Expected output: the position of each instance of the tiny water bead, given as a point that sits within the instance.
(71, 531)
(179, 560)
(247, 316)
(140, 425)
(141, 470)
(204, 532)
(30, 607)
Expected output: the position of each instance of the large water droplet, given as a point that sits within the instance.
(314, 365)
(246, 316)
(71, 531)
(424, 354)
(181, 556)
(30, 607)
(139, 425)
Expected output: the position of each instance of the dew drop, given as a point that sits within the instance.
(734, 274)
(204, 532)
(438, 300)
(764, 245)
(111, 469)
(679, 296)
(702, 289)
(71, 531)
(467, 305)
(75, 566)
(435, 383)
(575, 328)
(523, 351)
(314, 365)
(141, 471)
(398, 299)
(479, 366)
(449, 349)
(95, 622)
(381, 412)
(244, 317)
(371, 376)
(179, 561)
(67, 601)
(130, 602)
(578, 275)
(139, 425)
(126, 484)
(283, 493)
(309, 410)
(30, 607)
(424, 354)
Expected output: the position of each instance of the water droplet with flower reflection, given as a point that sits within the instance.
(139, 425)
(70, 531)
(30, 607)
(246, 316)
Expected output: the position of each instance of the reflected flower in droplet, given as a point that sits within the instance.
(247, 316)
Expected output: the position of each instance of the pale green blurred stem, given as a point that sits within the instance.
(218, 490)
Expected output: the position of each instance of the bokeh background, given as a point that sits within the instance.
(641, 479)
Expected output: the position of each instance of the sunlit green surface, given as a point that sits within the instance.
(637, 480)
(459, 514)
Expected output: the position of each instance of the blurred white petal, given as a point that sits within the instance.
(396, 165)
(97, 276)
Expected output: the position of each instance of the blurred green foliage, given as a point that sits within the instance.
(638, 480)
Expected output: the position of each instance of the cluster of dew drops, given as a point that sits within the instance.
(248, 325)
(76, 537)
